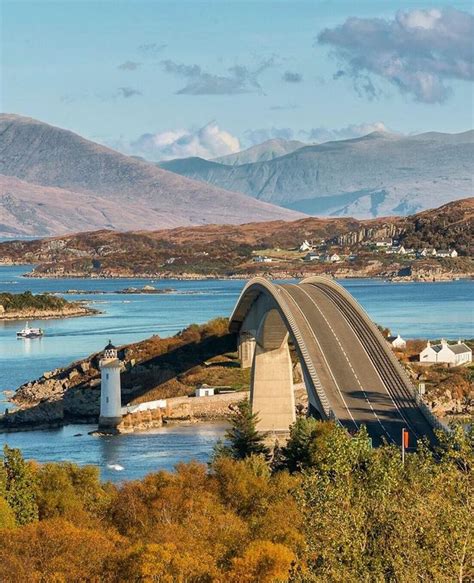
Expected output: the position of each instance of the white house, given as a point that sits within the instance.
(262, 259)
(427, 251)
(447, 253)
(311, 256)
(400, 250)
(305, 246)
(385, 242)
(334, 258)
(397, 342)
(445, 353)
(204, 391)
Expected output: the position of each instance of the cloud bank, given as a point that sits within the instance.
(239, 79)
(419, 51)
(323, 134)
(317, 134)
(208, 142)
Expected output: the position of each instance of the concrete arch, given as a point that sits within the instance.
(350, 372)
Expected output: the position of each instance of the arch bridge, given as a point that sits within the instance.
(349, 370)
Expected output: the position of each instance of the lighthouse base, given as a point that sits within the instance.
(109, 424)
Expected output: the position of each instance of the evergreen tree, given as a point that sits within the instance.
(20, 486)
(243, 438)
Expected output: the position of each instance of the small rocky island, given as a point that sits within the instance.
(40, 306)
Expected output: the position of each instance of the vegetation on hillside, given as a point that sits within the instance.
(29, 301)
(328, 507)
(227, 250)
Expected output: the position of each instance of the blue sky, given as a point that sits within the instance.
(190, 77)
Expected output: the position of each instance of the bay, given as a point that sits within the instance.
(414, 310)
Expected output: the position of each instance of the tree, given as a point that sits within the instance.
(297, 453)
(56, 550)
(7, 518)
(262, 562)
(244, 440)
(20, 486)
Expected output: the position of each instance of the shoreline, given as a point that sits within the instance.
(17, 317)
(238, 277)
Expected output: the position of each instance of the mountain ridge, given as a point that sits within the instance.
(369, 176)
(44, 156)
(267, 150)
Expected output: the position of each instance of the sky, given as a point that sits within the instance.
(167, 79)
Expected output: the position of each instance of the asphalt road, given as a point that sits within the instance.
(360, 382)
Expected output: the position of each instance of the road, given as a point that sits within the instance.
(360, 380)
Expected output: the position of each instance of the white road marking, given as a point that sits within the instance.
(409, 425)
(348, 362)
(323, 355)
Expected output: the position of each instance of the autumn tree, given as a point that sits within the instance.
(19, 486)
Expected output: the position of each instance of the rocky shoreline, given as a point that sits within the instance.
(336, 274)
(69, 312)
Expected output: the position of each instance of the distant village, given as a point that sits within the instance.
(320, 251)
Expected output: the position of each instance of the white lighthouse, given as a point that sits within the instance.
(110, 390)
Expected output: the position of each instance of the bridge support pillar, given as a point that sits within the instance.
(246, 348)
(271, 391)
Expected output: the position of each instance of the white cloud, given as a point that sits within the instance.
(323, 134)
(207, 142)
(420, 52)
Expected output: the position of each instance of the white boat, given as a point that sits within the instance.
(28, 332)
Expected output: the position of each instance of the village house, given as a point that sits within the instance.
(305, 246)
(311, 257)
(397, 342)
(399, 250)
(204, 391)
(444, 353)
(262, 259)
(427, 252)
(385, 242)
(447, 253)
(333, 258)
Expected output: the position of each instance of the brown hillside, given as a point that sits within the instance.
(47, 156)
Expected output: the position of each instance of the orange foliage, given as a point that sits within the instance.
(262, 562)
(56, 550)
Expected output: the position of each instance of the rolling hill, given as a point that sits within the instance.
(53, 181)
(227, 250)
(267, 150)
(378, 174)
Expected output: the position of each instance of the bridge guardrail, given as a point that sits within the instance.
(426, 411)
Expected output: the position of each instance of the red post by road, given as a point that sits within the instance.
(405, 442)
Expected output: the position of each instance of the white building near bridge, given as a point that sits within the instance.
(397, 342)
(444, 353)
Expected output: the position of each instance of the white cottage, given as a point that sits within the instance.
(311, 256)
(305, 246)
(204, 391)
(444, 353)
(397, 342)
(447, 253)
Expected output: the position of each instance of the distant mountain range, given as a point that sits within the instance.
(378, 174)
(263, 152)
(53, 181)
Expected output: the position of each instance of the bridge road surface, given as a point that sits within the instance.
(350, 377)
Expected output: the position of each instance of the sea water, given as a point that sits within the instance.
(414, 310)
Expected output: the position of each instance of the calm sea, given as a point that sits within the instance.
(415, 310)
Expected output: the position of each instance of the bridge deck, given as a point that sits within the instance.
(358, 377)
